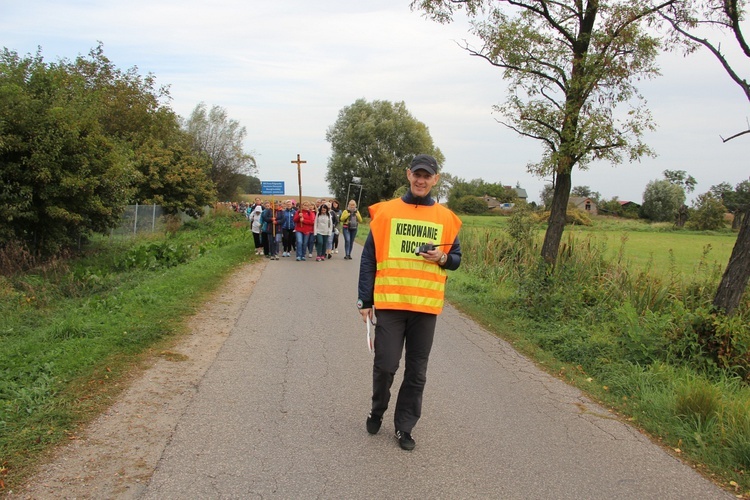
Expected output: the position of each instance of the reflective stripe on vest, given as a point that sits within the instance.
(404, 280)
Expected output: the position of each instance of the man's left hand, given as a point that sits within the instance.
(433, 255)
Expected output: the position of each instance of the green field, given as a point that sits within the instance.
(645, 247)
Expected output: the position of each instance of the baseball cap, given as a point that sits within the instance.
(424, 162)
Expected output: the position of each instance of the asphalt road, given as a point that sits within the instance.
(281, 414)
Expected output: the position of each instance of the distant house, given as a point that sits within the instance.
(494, 204)
(628, 204)
(583, 203)
(520, 193)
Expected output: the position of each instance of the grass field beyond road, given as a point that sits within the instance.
(652, 248)
(626, 316)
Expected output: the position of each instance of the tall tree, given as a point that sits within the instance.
(546, 195)
(221, 139)
(681, 178)
(569, 65)
(479, 187)
(62, 175)
(686, 18)
(687, 183)
(662, 201)
(736, 199)
(135, 113)
(173, 176)
(375, 141)
(443, 187)
(132, 108)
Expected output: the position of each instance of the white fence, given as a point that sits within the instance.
(140, 219)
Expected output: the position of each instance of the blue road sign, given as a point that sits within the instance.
(271, 187)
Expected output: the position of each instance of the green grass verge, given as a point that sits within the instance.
(69, 334)
(644, 343)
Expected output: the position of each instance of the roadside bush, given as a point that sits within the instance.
(155, 255)
(707, 213)
(471, 205)
(521, 226)
(15, 258)
(573, 216)
(725, 340)
(697, 399)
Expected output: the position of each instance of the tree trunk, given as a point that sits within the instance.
(736, 219)
(737, 273)
(557, 216)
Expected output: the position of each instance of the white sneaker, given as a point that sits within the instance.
(309, 256)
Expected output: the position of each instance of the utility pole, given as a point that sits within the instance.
(299, 177)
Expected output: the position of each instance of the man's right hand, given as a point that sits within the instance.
(366, 314)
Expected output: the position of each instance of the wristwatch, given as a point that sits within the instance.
(443, 259)
(359, 304)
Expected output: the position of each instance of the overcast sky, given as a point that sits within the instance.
(285, 68)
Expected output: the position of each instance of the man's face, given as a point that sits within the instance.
(421, 182)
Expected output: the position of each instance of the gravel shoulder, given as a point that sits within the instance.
(115, 455)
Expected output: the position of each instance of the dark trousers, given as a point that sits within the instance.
(394, 331)
(287, 239)
(265, 241)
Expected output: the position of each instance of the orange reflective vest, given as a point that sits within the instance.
(404, 280)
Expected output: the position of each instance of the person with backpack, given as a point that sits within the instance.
(255, 225)
(350, 218)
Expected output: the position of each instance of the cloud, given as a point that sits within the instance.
(285, 69)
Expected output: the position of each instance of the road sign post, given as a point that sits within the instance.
(272, 188)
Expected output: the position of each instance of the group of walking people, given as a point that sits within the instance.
(290, 229)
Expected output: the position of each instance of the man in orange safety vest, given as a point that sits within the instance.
(413, 241)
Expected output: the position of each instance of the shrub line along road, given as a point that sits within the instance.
(281, 413)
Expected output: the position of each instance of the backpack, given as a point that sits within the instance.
(353, 222)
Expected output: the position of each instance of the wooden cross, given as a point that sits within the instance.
(299, 178)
